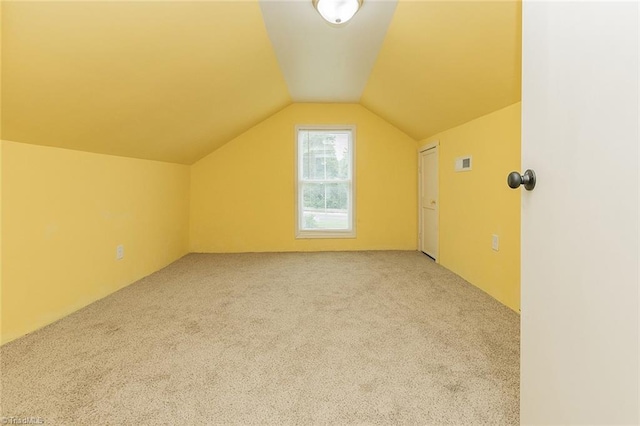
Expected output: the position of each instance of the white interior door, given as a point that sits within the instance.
(429, 202)
(579, 348)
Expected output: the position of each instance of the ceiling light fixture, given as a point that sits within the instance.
(337, 12)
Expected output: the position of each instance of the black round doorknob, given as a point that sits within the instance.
(514, 180)
(528, 180)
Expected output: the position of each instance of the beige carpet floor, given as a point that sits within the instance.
(289, 338)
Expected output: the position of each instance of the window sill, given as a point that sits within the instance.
(324, 234)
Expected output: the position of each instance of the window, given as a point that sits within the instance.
(325, 191)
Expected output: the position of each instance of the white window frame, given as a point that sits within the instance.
(322, 233)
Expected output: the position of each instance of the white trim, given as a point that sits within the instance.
(320, 234)
(308, 234)
(435, 146)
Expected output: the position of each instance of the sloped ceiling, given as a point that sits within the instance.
(444, 63)
(175, 80)
(167, 81)
(322, 63)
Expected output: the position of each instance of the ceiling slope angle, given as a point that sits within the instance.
(444, 63)
(169, 81)
(323, 62)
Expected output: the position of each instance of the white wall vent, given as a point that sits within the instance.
(463, 164)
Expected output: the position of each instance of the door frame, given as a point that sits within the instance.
(434, 144)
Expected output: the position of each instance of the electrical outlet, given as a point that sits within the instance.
(495, 242)
(120, 252)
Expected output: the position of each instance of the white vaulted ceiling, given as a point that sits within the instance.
(321, 62)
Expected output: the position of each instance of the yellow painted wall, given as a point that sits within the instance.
(242, 195)
(1, 4)
(478, 203)
(64, 213)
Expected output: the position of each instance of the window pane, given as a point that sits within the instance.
(325, 155)
(325, 206)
